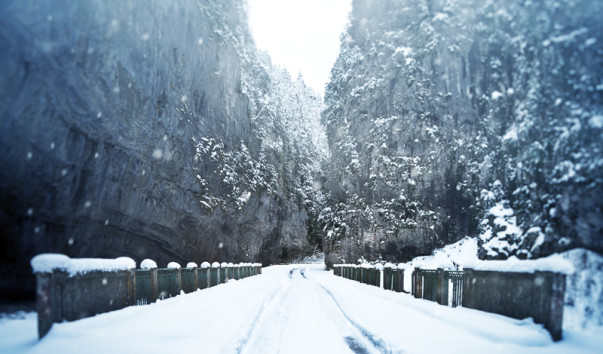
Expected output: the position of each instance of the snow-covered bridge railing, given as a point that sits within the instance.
(537, 294)
(435, 285)
(393, 278)
(527, 292)
(71, 289)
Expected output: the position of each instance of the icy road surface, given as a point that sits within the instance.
(292, 309)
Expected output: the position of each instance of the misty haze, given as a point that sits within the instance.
(319, 176)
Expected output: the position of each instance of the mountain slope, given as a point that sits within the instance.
(455, 118)
(138, 129)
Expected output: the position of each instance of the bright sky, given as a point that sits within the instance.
(302, 35)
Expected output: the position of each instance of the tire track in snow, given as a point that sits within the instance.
(379, 344)
(357, 338)
(245, 340)
(303, 273)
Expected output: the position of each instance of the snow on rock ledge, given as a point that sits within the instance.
(49, 262)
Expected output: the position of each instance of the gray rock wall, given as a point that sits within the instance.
(438, 110)
(99, 105)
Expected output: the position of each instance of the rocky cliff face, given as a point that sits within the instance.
(455, 118)
(142, 129)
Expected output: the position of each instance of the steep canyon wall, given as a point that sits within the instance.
(132, 128)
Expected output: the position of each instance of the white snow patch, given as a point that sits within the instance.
(570, 36)
(511, 134)
(596, 121)
(191, 265)
(48, 262)
(553, 263)
(440, 16)
(205, 265)
(496, 95)
(148, 264)
(539, 240)
(173, 265)
(157, 154)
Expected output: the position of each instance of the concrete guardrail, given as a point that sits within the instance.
(70, 289)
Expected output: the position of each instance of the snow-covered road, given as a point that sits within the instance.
(292, 309)
(304, 316)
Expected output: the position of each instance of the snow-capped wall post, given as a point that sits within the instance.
(442, 290)
(236, 270)
(391, 278)
(538, 295)
(71, 289)
(230, 271)
(223, 278)
(146, 282)
(203, 275)
(48, 301)
(143, 286)
(417, 283)
(379, 275)
(467, 301)
(188, 278)
(370, 279)
(363, 275)
(399, 280)
(169, 282)
(214, 277)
